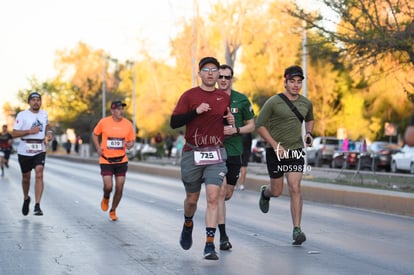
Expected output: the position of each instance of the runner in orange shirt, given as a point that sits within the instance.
(117, 134)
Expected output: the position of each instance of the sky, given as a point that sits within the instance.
(32, 31)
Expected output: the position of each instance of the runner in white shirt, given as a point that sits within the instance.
(32, 127)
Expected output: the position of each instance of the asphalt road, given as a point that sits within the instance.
(76, 237)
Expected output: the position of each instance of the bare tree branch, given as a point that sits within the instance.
(368, 28)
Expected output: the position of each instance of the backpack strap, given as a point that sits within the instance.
(292, 107)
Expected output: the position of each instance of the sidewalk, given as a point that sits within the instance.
(367, 198)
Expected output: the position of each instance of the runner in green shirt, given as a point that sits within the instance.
(280, 125)
(242, 111)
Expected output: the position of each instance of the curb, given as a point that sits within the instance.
(379, 200)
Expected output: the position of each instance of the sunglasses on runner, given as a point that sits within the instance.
(228, 77)
(209, 70)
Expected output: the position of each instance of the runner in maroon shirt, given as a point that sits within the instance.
(204, 110)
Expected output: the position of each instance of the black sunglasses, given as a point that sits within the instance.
(228, 77)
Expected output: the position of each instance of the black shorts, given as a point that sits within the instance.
(245, 157)
(7, 153)
(278, 167)
(27, 163)
(233, 164)
(118, 169)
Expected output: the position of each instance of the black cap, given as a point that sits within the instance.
(116, 104)
(207, 60)
(33, 95)
(293, 71)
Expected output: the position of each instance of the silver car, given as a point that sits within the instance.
(322, 151)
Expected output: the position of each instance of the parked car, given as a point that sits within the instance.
(258, 151)
(15, 145)
(404, 160)
(351, 160)
(322, 150)
(356, 157)
(381, 152)
(345, 160)
(141, 151)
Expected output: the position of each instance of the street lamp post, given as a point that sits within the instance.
(193, 43)
(104, 60)
(134, 91)
(304, 65)
(304, 87)
(134, 97)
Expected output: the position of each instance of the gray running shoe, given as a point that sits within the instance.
(263, 202)
(210, 252)
(298, 236)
